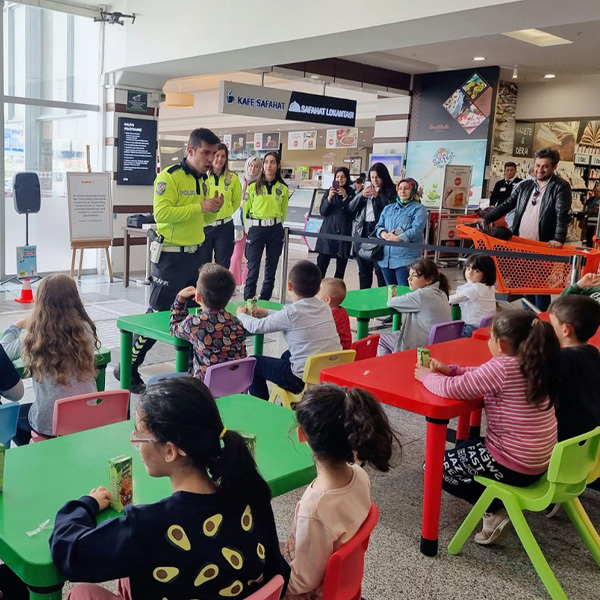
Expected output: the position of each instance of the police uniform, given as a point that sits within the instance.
(178, 195)
(264, 214)
(219, 238)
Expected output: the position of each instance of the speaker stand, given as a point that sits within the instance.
(34, 278)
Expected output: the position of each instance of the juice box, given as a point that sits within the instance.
(121, 482)
(423, 356)
(250, 440)
(392, 291)
(251, 305)
(2, 451)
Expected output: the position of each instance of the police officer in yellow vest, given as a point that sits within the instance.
(219, 235)
(182, 207)
(265, 209)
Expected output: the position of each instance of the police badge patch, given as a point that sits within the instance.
(161, 186)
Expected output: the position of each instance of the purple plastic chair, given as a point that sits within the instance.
(486, 321)
(231, 377)
(442, 332)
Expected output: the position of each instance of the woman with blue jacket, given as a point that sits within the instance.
(402, 221)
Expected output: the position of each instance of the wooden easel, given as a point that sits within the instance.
(81, 245)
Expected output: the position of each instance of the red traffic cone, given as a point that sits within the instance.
(26, 292)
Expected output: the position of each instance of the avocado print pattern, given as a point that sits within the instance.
(257, 580)
(247, 519)
(176, 535)
(260, 550)
(165, 574)
(233, 557)
(235, 589)
(207, 573)
(211, 525)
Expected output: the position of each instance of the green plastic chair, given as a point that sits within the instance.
(565, 479)
(594, 474)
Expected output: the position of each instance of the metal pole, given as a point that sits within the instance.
(575, 261)
(284, 265)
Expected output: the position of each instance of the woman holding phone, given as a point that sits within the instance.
(335, 207)
(402, 221)
(367, 207)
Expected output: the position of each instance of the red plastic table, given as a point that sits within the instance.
(390, 378)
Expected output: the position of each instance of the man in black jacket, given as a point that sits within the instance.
(541, 206)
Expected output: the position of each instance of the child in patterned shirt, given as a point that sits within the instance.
(215, 334)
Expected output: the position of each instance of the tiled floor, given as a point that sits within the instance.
(394, 566)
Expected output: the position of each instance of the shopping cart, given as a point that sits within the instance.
(515, 275)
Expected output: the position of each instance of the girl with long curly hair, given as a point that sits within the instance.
(57, 350)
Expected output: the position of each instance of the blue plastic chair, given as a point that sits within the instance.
(9, 415)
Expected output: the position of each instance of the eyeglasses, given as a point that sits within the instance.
(138, 441)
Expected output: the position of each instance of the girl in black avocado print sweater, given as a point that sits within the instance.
(214, 537)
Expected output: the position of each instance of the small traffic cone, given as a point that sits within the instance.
(26, 293)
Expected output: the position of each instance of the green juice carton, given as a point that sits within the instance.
(250, 440)
(392, 291)
(251, 305)
(423, 357)
(2, 451)
(121, 482)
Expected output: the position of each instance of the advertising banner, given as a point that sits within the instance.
(342, 138)
(302, 140)
(457, 182)
(26, 261)
(271, 103)
(523, 139)
(266, 141)
(560, 135)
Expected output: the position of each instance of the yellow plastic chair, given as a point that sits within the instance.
(312, 374)
(566, 478)
(594, 474)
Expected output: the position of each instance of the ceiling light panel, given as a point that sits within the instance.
(537, 37)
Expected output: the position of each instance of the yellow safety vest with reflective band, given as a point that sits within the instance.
(178, 197)
(229, 185)
(270, 204)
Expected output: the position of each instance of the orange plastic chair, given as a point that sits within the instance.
(366, 347)
(343, 577)
(270, 591)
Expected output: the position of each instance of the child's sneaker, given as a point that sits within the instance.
(493, 526)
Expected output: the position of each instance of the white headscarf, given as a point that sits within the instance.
(249, 161)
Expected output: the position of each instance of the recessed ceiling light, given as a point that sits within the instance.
(515, 72)
(549, 76)
(278, 129)
(320, 136)
(537, 37)
(361, 131)
(314, 77)
(247, 131)
(364, 140)
(478, 58)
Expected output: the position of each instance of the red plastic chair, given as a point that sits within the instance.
(343, 577)
(270, 591)
(366, 348)
(231, 377)
(442, 332)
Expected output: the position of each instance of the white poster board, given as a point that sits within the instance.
(457, 184)
(90, 206)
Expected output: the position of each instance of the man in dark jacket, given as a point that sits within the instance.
(504, 187)
(541, 206)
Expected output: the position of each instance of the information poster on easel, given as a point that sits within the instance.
(457, 185)
(90, 206)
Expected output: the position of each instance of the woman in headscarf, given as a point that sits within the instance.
(251, 173)
(335, 207)
(401, 221)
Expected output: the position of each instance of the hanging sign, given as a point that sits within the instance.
(342, 138)
(302, 140)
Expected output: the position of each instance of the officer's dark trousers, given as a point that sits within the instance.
(218, 241)
(174, 271)
(259, 239)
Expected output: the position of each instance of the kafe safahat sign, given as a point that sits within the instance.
(271, 103)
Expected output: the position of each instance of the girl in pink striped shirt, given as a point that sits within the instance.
(518, 391)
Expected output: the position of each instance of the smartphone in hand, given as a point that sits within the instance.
(335, 185)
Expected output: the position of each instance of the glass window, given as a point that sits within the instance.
(50, 142)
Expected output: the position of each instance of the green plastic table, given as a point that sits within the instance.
(102, 359)
(155, 325)
(369, 304)
(40, 478)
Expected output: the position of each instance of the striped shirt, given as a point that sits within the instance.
(520, 436)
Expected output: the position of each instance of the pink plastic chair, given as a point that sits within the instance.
(366, 348)
(270, 591)
(442, 332)
(343, 577)
(231, 377)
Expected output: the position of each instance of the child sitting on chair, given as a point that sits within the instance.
(333, 292)
(342, 428)
(216, 335)
(307, 326)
